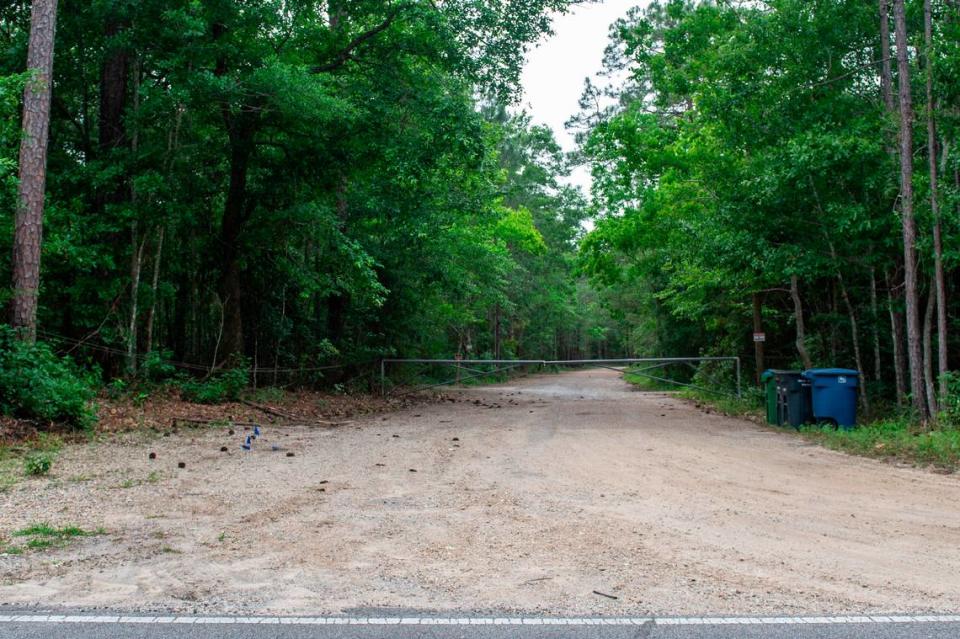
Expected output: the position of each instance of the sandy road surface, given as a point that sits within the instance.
(556, 487)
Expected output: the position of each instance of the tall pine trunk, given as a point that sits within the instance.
(894, 288)
(28, 223)
(939, 277)
(914, 332)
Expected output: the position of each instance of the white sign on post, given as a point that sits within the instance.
(759, 337)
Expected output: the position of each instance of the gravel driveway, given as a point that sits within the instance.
(531, 497)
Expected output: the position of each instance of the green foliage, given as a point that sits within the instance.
(895, 439)
(36, 384)
(37, 464)
(315, 183)
(156, 366)
(746, 145)
(223, 387)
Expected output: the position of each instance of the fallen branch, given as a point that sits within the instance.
(276, 412)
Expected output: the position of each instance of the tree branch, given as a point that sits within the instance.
(346, 54)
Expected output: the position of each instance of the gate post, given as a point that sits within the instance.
(739, 382)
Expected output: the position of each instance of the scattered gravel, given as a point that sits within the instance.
(638, 496)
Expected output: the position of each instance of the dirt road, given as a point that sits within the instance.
(526, 497)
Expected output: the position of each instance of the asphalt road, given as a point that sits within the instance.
(41, 625)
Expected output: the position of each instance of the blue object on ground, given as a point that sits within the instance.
(834, 395)
(256, 431)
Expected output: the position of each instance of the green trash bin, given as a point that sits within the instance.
(773, 382)
(769, 380)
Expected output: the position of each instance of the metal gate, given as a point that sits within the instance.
(478, 368)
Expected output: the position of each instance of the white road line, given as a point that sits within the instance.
(472, 621)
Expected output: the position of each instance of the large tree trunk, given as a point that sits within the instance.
(914, 336)
(939, 277)
(114, 81)
(894, 291)
(801, 326)
(234, 216)
(28, 223)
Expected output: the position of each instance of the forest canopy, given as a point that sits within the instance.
(749, 161)
(289, 184)
(281, 185)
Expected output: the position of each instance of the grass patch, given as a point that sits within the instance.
(153, 478)
(895, 439)
(44, 536)
(750, 404)
(9, 469)
(645, 383)
(731, 406)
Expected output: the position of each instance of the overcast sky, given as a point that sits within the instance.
(555, 72)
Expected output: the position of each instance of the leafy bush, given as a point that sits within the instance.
(36, 384)
(37, 464)
(225, 387)
(156, 366)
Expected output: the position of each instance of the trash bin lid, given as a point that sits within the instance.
(831, 372)
(773, 372)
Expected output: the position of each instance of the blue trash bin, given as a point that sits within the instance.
(834, 395)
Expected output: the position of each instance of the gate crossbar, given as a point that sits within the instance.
(508, 364)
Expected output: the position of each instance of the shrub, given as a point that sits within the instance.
(36, 384)
(225, 387)
(37, 464)
(156, 366)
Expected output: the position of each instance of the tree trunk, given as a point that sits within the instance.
(114, 79)
(136, 244)
(136, 263)
(154, 285)
(886, 73)
(496, 332)
(801, 327)
(911, 298)
(758, 328)
(928, 374)
(234, 214)
(897, 338)
(939, 277)
(28, 224)
(875, 310)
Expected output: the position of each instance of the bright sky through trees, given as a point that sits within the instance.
(554, 75)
